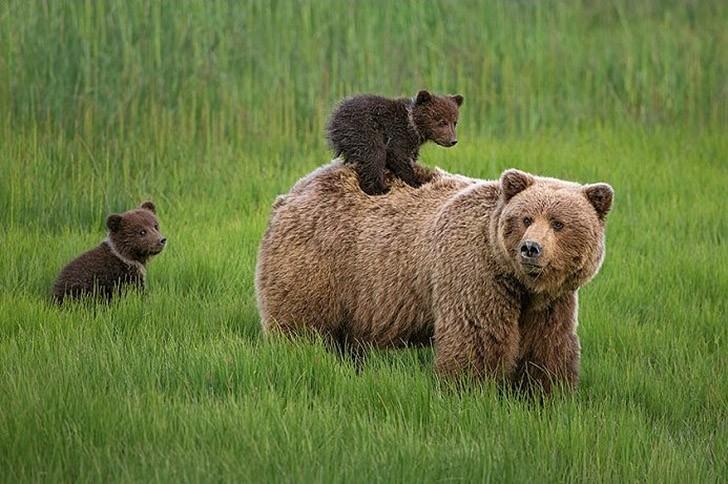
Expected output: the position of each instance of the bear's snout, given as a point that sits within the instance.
(531, 250)
(159, 247)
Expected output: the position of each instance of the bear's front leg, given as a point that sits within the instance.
(550, 350)
(403, 168)
(477, 334)
(422, 173)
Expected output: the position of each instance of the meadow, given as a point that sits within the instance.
(212, 108)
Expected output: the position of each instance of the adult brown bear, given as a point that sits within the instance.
(488, 270)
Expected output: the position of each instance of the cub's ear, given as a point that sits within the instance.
(149, 206)
(514, 182)
(113, 222)
(458, 99)
(423, 97)
(600, 195)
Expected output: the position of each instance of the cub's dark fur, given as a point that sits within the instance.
(118, 261)
(373, 133)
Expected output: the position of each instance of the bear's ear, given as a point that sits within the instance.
(423, 97)
(113, 222)
(458, 99)
(149, 206)
(514, 182)
(600, 195)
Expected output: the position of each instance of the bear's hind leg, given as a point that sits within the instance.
(347, 347)
(369, 164)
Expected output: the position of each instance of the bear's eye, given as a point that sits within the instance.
(556, 225)
(443, 123)
(455, 124)
(156, 226)
(527, 221)
(142, 232)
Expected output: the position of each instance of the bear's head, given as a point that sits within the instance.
(135, 233)
(436, 117)
(551, 232)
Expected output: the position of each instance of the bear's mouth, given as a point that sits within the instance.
(531, 269)
(153, 251)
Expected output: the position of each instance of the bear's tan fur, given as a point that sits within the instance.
(443, 263)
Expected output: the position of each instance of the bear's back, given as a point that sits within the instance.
(332, 254)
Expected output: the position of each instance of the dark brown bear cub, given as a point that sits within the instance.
(373, 133)
(118, 261)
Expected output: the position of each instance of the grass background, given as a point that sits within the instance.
(211, 108)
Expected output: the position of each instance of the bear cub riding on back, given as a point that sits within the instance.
(373, 133)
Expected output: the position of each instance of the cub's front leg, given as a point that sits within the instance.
(476, 330)
(550, 350)
(403, 168)
(423, 174)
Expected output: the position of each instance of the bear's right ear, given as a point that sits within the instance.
(113, 222)
(149, 206)
(423, 97)
(514, 182)
(458, 99)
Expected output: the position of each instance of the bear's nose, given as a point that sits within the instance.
(163, 241)
(453, 142)
(530, 249)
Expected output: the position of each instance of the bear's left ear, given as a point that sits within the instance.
(514, 182)
(149, 206)
(600, 195)
(423, 97)
(458, 99)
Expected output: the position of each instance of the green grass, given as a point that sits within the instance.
(213, 108)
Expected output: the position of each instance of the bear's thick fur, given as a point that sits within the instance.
(487, 270)
(117, 262)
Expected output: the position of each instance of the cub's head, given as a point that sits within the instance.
(135, 233)
(437, 116)
(550, 231)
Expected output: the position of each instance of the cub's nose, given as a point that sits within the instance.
(453, 142)
(530, 250)
(163, 241)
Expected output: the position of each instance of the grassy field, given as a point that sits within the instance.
(212, 108)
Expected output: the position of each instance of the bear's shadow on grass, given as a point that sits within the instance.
(360, 356)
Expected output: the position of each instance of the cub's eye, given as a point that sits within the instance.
(142, 232)
(556, 225)
(527, 221)
(443, 123)
(156, 226)
(456, 123)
